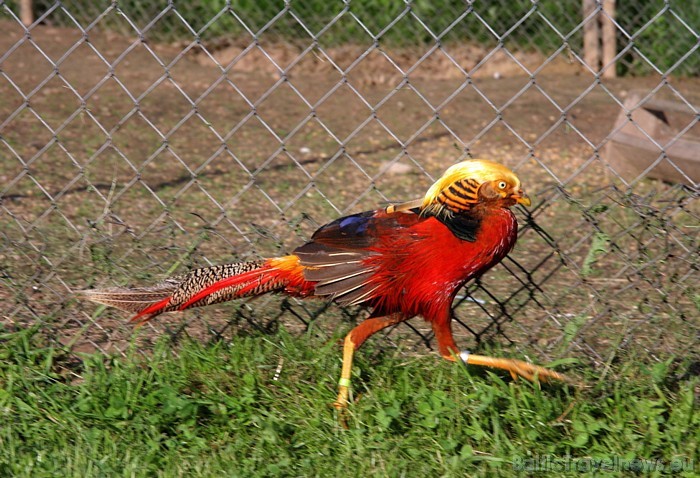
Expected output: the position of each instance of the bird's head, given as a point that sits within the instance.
(471, 183)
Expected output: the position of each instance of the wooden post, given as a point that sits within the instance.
(591, 36)
(599, 44)
(25, 12)
(609, 41)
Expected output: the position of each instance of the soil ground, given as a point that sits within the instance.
(127, 162)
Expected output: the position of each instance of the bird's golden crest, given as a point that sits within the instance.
(458, 189)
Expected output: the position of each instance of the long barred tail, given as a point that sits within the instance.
(206, 286)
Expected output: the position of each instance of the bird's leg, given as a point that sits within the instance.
(344, 382)
(353, 341)
(517, 368)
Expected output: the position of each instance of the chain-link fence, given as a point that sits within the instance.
(141, 139)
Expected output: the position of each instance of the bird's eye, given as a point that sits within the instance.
(502, 185)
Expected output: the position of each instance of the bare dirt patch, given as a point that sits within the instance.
(124, 162)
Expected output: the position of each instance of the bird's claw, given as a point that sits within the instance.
(534, 373)
(341, 403)
(516, 368)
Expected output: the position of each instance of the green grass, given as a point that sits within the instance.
(215, 410)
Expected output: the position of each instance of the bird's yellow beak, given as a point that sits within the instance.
(522, 198)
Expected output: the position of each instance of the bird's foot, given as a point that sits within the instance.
(341, 403)
(516, 368)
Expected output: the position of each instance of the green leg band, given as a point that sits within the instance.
(344, 382)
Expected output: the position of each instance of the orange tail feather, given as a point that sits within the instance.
(151, 311)
(209, 285)
(241, 285)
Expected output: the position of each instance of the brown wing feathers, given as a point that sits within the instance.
(338, 258)
(339, 275)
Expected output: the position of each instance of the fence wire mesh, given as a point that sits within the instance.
(142, 139)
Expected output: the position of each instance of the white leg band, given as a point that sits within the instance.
(464, 355)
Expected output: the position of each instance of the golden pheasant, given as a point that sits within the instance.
(402, 261)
